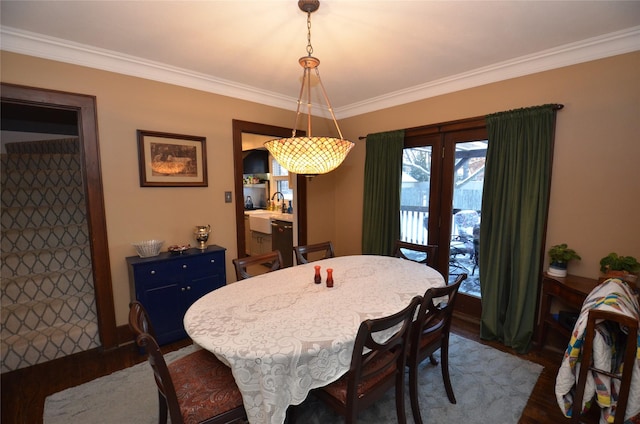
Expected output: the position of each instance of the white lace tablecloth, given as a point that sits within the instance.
(282, 335)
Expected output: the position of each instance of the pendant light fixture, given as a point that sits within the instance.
(310, 155)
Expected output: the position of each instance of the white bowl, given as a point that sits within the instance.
(148, 248)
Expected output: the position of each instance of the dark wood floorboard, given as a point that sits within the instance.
(24, 391)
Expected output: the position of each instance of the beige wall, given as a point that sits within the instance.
(595, 191)
(125, 104)
(595, 195)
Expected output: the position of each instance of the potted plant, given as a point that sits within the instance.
(623, 267)
(560, 255)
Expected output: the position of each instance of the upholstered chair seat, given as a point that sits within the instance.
(195, 389)
(204, 386)
(339, 390)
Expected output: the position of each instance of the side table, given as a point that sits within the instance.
(169, 283)
(570, 291)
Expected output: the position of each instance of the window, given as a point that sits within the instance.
(280, 180)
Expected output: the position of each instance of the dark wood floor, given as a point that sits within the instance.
(24, 391)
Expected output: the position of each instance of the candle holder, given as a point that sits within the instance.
(329, 277)
(317, 278)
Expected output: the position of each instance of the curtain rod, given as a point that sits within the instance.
(556, 106)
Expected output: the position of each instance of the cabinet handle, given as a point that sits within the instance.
(183, 289)
(153, 272)
(184, 266)
(213, 260)
(188, 287)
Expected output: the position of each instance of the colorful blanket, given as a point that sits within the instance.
(611, 295)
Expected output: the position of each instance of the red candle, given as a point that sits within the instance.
(317, 278)
(329, 277)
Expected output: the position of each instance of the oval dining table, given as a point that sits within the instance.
(283, 335)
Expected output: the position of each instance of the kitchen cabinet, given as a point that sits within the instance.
(255, 162)
(169, 283)
(260, 243)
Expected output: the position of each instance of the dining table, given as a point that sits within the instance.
(284, 335)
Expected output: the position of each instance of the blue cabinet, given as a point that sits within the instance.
(169, 283)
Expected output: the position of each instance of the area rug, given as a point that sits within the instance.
(490, 386)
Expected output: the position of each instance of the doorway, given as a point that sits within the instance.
(241, 128)
(441, 196)
(83, 110)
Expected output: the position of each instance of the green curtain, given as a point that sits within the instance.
(382, 180)
(514, 212)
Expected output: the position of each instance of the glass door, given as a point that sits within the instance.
(420, 189)
(467, 183)
(441, 202)
(415, 194)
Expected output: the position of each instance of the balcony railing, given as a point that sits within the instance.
(413, 224)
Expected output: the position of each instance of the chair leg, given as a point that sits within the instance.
(413, 392)
(351, 416)
(162, 409)
(444, 358)
(402, 415)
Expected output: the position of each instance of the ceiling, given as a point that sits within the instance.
(374, 54)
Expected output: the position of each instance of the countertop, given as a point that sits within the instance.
(271, 214)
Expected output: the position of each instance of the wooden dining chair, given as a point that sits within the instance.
(271, 259)
(430, 252)
(430, 332)
(375, 367)
(196, 388)
(628, 355)
(302, 252)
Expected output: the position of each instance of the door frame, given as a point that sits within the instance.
(85, 108)
(300, 201)
(442, 137)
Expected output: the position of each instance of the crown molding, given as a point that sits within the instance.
(607, 45)
(38, 45)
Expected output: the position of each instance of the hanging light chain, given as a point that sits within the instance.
(310, 155)
(309, 47)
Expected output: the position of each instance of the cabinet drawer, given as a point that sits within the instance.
(153, 274)
(185, 267)
(202, 265)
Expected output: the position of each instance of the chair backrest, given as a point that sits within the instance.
(140, 325)
(272, 259)
(430, 251)
(303, 251)
(434, 320)
(373, 358)
(139, 321)
(630, 324)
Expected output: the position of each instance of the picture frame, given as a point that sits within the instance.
(171, 160)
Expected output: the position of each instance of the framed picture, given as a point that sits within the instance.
(172, 160)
